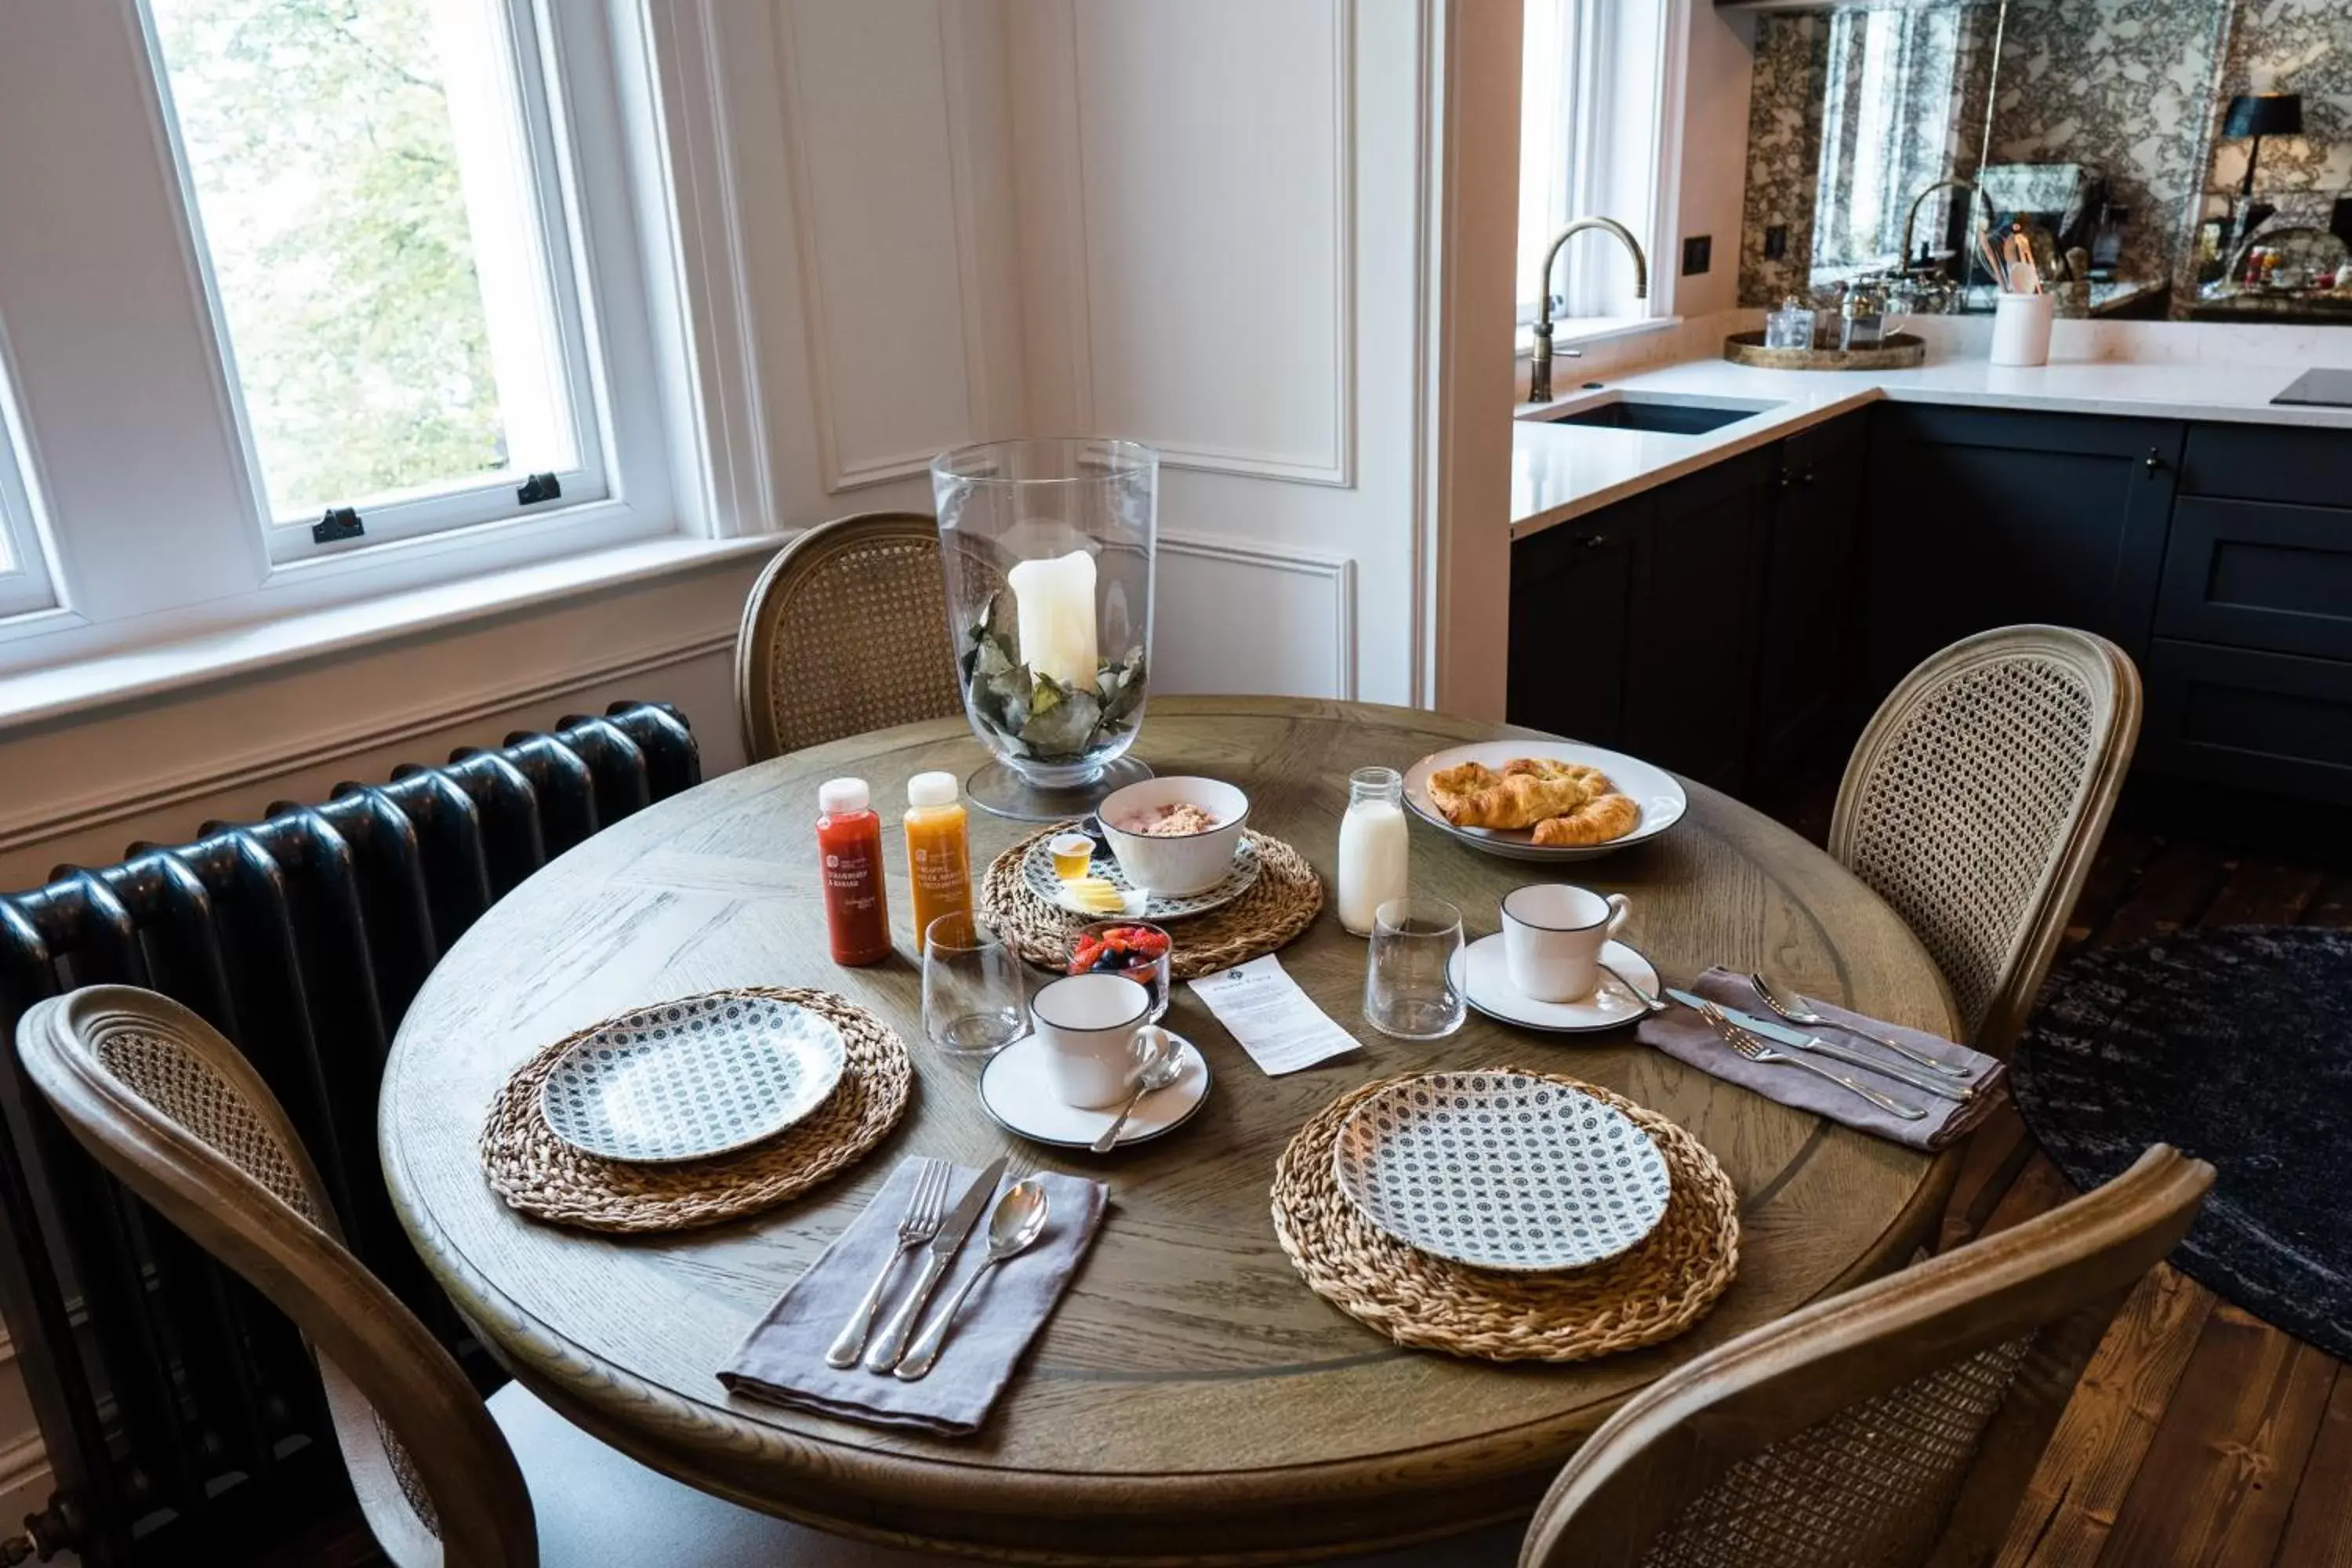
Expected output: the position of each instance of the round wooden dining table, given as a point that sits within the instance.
(1189, 1400)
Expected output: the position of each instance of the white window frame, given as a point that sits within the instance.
(26, 585)
(562, 257)
(157, 523)
(1620, 68)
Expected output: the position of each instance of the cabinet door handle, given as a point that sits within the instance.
(1592, 541)
(2155, 460)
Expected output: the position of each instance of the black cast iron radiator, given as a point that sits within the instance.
(182, 1419)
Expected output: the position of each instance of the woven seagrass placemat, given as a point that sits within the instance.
(1282, 902)
(541, 1175)
(1653, 1292)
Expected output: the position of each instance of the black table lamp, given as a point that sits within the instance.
(2261, 114)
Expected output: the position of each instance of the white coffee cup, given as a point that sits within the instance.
(1090, 1025)
(1552, 937)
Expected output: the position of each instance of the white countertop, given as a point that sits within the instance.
(1559, 472)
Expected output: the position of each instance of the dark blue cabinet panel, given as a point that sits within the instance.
(2274, 723)
(1573, 593)
(1979, 518)
(1691, 672)
(2269, 462)
(2258, 575)
(1805, 664)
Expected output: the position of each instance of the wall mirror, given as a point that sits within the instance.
(2190, 160)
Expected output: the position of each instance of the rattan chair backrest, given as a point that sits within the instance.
(1894, 1427)
(1975, 802)
(174, 1111)
(846, 631)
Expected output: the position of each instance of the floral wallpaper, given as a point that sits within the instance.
(2134, 89)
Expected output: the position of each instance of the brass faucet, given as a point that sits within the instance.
(1540, 367)
(1902, 262)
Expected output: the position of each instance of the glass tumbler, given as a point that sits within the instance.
(975, 1001)
(1409, 977)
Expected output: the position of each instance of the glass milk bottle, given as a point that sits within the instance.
(1371, 847)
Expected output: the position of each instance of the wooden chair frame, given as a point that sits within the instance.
(2115, 686)
(2060, 1277)
(755, 642)
(377, 1361)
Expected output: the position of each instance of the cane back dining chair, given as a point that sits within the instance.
(845, 631)
(1894, 1427)
(174, 1111)
(1975, 801)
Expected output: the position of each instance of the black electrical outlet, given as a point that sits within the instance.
(1699, 254)
(1776, 242)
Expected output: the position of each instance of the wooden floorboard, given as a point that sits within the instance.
(2319, 1524)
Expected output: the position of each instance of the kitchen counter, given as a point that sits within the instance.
(1559, 472)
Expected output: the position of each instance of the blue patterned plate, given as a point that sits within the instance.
(689, 1078)
(1499, 1170)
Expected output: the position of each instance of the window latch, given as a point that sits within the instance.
(339, 523)
(539, 487)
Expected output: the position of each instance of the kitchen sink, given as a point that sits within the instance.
(1665, 415)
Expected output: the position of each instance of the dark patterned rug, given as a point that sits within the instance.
(2233, 1043)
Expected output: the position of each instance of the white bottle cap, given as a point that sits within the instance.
(837, 795)
(932, 789)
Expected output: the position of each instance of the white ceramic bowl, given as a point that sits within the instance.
(1184, 863)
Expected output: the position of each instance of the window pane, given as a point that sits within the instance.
(370, 212)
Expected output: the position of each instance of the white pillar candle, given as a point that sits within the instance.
(1055, 602)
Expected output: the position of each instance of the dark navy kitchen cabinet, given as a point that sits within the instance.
(1572, 605)
(1806, 658)
(1982, 518)
(1690, 672)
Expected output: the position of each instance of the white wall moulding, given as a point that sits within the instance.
(1238, 616)
(1209, 220)
(896, 165)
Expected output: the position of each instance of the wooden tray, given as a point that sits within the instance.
(1897, 352)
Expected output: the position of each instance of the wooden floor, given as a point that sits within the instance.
(2199, 1437)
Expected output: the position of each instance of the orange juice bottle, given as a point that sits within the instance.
(939, 850)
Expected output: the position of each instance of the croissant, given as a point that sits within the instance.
(1527, 791)
(1597, 821)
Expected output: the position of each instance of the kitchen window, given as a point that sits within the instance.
(378, 218)
(1599, 98)
(24, 561)
(315, 301)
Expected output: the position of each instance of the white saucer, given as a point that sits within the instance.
(1479, 970)
(1013, 1090)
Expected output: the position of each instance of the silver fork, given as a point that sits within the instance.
(1756, 1050)
(1798, 1013)
(927, 1209)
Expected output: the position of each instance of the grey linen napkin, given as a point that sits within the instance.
(782, 1358)
(1683, 1035)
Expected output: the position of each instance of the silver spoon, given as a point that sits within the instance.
(1649, 1003)
(1166, 1065)
(1016, 1222)
(1798, 1013)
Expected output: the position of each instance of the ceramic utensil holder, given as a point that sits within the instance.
(2021, 329)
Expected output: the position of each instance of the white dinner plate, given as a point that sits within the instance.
(1485, 980)
(1657, 792)
(1499, 1170)
(693, 1077)
(1014, 1092)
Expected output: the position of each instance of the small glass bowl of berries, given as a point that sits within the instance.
(1136, 949)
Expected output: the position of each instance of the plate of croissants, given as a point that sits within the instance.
(1544, 800)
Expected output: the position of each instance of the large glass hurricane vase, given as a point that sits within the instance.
(1049, 548)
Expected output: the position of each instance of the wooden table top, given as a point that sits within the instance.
(1191, 1397)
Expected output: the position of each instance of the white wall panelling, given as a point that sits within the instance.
(895, 149)
(1236, 617)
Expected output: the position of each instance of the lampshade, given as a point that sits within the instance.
(2264, 114)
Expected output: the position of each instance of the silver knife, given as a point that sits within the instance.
(1779, 1034)
(884, 1354)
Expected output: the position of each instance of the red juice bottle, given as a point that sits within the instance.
(849, 859)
